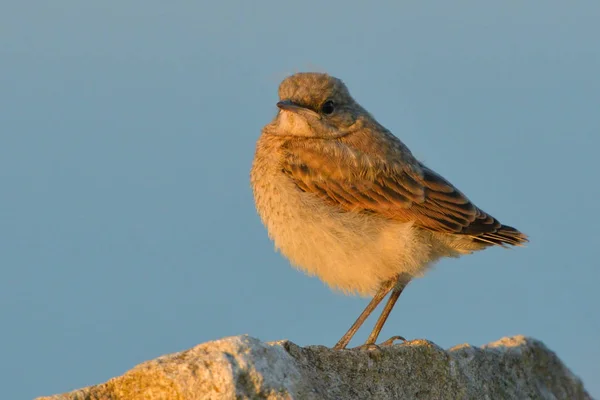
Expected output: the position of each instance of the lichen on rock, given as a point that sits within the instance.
(242, 367)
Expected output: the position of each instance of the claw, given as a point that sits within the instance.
(367, 347)
(373, 346)
(390, 341)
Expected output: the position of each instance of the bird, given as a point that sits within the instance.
(344, 199)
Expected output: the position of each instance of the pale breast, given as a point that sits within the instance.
(352, 252)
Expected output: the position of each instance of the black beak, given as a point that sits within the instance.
(289, 105)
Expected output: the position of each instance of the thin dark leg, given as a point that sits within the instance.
(385, 313)
(381, 293)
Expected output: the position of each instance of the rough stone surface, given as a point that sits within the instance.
(242, 367)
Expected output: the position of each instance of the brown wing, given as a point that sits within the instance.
(403, 191)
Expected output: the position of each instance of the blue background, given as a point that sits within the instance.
(127, 131)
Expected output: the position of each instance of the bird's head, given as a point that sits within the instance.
(316, 105)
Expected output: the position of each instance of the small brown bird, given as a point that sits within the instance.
(344, 199)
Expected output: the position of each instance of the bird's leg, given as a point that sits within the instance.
(384, 289)
(396, 292)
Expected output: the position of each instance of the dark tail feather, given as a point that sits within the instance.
(503, 236)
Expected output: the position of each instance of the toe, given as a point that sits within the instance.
(391, 340)
(367, 347)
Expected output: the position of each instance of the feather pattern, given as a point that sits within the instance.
(359, 181)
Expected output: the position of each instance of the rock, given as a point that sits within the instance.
(242, 367)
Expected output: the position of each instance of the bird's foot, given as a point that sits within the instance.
(390, 341)
(373, 346)
(367, 347)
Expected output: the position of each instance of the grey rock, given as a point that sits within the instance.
(242, 367)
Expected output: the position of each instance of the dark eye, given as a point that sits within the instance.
(328, 107)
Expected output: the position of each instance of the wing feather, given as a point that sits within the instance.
(400, 189)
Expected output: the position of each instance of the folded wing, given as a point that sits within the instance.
(359, 182)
